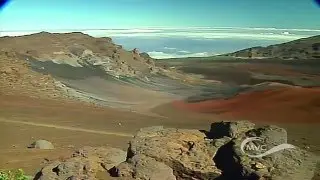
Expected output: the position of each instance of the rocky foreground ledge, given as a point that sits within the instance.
(158, 153)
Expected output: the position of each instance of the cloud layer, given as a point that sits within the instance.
(164, 42)
(194, 32)
(163, 55)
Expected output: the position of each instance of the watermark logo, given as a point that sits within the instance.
(256, 144)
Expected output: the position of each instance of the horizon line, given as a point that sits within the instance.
(160, 27)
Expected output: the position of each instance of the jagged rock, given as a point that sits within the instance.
(41, 144)
(83, 164)
(178, 154)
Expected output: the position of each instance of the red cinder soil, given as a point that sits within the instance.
(287, 105)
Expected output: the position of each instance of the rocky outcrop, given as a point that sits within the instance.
(83, 164)
(185, 151)
(158, 153)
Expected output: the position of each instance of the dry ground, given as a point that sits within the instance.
(68, 126)
(72, 125)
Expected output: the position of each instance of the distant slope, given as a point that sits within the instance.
(306, 48)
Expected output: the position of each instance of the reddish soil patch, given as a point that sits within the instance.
(287, 105)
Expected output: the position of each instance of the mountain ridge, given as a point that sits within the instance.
(79, 49)
(305, 48)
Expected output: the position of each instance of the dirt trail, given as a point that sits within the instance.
(67, 128)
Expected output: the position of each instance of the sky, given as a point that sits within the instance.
(21, 15)
(169, 28)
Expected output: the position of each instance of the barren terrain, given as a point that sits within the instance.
(73, 101)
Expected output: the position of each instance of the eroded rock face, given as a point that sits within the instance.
(158, 153)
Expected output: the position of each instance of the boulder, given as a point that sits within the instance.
(41, 144)
(217, 154)
(158, 153)
(185, 151)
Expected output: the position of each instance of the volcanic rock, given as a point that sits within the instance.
(83, 164)
(158, 153)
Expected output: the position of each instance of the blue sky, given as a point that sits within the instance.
(79, 14)
(169, 28)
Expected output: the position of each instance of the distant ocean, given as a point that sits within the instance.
(192, 42)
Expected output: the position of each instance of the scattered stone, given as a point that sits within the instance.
(70, 146)
(258, 165)
(41, 144)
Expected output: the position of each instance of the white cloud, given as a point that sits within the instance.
(210, 35)
(197, 32)
(170, 48)
(182, 51)
(162, 55)
(15, 33)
